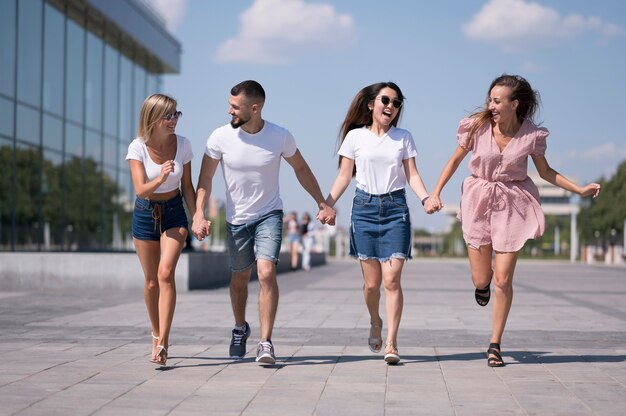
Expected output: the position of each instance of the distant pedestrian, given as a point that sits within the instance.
(500, 206)
(160, 165)
(381, 157)
(250, 150)
(293, 238)
(307, 234)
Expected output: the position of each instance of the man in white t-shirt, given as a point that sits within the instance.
(250, 151)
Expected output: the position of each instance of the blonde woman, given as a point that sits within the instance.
(160, 164)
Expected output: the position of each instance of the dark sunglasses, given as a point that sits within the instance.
(175, 115)
(386, 100)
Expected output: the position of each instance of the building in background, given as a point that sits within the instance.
(73, 75)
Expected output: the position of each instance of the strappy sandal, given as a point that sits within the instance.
(391, 354)
(154, 338)
(483, 295)
(496, 360)
(161, 355)
(374, 343)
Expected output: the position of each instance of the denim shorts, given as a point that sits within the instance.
(380, 226)
(152, 218)
(258, 239)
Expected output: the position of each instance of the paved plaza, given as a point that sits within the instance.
(86, 352)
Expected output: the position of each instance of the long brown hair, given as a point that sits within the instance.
(529, 101)
(153, 109)
(359, 114)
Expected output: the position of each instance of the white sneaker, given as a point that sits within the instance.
(265, 353)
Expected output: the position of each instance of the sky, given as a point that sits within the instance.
(313, 56)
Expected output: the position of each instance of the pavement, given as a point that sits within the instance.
(77, 352)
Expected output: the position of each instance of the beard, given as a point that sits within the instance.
(238, 122)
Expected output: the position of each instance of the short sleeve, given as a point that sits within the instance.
(212, 149)
(409, 147)
(289, 147)
(134, 151)
(462, 134)
(347, 147)
(187, 151)
(540, 142)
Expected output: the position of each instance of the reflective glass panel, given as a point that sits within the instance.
(75, 73)
(6, 117)
(51, 208)
(28, 51)
(111, 62)
(73, 140)
(52, 132)
(54, 40)
(125, 110)
(28, 124)
(7, 47)
(93, 85)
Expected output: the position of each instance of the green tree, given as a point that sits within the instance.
(607, 212)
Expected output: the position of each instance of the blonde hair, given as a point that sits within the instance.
(153, 109)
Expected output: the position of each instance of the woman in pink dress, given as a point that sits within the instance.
(500, 206)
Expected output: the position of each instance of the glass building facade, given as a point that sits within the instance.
(73, 75)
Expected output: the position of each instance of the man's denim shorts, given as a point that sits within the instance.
(152, 218)
(258, 239)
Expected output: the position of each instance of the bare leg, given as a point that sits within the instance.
(172, 242)
(480, 265)
(503, 288)
(149, 254)
(372, 279)
(239, 295)
(394, 299)
(268, 297)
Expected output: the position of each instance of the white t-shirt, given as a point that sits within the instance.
(250, 164)
(378, 160)
(137, 150)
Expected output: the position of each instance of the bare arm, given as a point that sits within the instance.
(144, 189)
(457, 157)
(309, 183)
(343, 179)
(555, 178)
(189, 194)
(414, 179)
(200, 226)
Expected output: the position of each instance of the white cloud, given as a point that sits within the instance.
(531, 67)
(172, 11)
(274, 31)
(515, 25)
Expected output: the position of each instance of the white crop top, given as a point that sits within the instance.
(137, 150)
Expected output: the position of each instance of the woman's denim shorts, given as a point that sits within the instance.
(152, 218)
(257, 239)
(380, 226)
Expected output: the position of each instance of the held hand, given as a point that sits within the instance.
(200, 227)
(433, 204)
(593, 189)
(327, 215)
(166, 169)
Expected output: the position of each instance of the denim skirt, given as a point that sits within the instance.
(380, 226)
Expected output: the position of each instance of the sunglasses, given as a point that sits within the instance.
(170, 116)
(386, 100)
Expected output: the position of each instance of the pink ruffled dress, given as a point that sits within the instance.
(499, 202)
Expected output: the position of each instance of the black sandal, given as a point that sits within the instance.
(482, 296)
(494, 349)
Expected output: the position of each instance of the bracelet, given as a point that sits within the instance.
(424, 200)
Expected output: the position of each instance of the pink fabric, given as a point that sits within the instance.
(499, 202)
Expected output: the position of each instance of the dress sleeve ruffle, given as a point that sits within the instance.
(462, 134)
(540, 142)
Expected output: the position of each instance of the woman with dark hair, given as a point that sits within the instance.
(381, 157)
(500, 206)
(160, 166)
